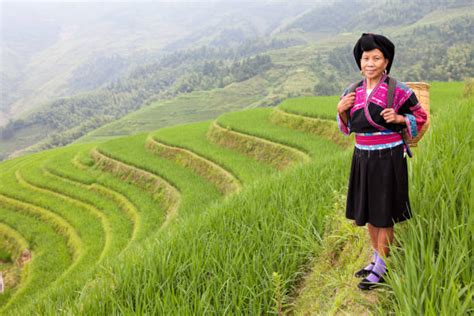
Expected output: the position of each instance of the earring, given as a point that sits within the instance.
(361, 72)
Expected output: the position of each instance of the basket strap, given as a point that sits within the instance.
(351, 89)
(354, 86)
(392, 83)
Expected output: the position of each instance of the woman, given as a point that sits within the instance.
(378, 184)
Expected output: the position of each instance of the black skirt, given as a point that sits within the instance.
(378, 187)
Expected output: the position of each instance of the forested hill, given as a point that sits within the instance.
(310, 53)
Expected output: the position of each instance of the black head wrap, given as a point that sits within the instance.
(369, 41)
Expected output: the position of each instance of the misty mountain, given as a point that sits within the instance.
(90, 71)
(52, 50)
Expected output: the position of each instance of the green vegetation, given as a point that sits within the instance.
(195, 106)
(308, 106)
(311, 55)
(255, 122)
(75, 116)
(441, 193)
(240, 215)
(440, 236)
(5, 256)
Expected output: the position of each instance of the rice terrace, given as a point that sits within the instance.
(203, 157)
(232, 216)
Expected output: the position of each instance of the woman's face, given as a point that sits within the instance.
(373, 63)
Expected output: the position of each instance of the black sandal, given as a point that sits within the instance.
(362, 273)
(366, 284)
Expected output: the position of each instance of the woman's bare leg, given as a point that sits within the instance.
(385, 237)
(374, 233)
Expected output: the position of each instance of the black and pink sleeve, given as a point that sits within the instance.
(411, 109)
(344, 128)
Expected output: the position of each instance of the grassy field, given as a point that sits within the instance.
(233, 216)
(440, 237)
(186, 108)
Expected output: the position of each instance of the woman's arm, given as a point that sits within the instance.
(343, 124)
(345, 103)
(413, 113)
(408, 112)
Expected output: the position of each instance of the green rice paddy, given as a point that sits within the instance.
(227, 217)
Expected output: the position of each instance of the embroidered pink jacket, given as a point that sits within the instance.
(365, 118)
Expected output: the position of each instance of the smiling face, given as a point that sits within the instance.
(373, 63)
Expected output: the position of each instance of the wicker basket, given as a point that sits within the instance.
(422, 92)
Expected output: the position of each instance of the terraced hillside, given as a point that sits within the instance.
(220, 217)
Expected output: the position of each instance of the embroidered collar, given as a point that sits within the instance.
(366, 106)
(364, 86)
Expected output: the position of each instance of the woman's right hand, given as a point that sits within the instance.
(346, 103)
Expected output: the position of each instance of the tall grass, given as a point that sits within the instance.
(246, 253)
(193, 137)
(320, 107)
(151, 217)
(48, 262)
(435, 261)
(221, 261)
(74, 182)
(256, 122)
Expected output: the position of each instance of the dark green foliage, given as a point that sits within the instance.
(5, 256)
(12, 127)
(442, 52)
(437, 48)
(327, 85)
(435, 52)
(367, 15)
(98, 71)
(335, 70)
(71, 118)
(332, 18)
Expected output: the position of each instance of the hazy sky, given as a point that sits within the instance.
(127, 1)
(171, 1)
(155, 1)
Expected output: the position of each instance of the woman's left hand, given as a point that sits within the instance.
(390, 116)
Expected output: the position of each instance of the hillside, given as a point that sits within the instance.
(61, 49)
(230, 216)
(324, 68)
(292, 56)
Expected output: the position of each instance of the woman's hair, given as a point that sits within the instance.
(370, 41)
